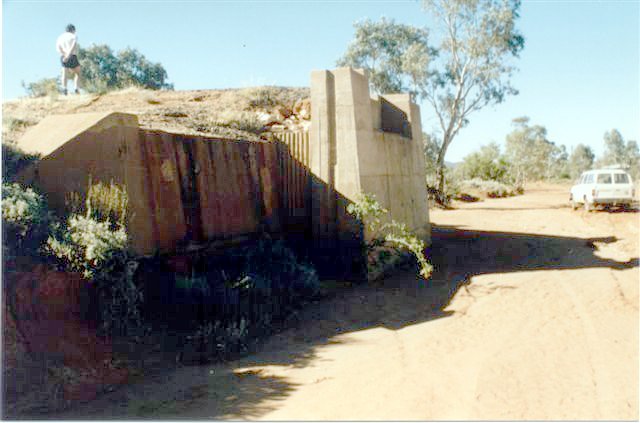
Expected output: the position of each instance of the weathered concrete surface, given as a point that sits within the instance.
(76, 146)
(57, 130)
(354, 154)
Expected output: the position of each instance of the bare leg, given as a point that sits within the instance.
(76, 79)
(64, 80)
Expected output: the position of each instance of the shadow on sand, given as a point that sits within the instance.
(226, 391)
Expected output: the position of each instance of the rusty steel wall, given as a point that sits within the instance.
(296, 181)
(199, 189)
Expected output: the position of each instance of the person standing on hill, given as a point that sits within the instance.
(67, 46)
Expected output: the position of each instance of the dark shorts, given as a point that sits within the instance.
(72, 63)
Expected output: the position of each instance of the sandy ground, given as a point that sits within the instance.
(531, 314)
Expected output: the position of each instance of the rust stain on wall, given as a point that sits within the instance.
(188, 190)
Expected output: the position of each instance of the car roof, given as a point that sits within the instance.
(605, 171)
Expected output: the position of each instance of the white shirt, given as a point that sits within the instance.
(65, 42)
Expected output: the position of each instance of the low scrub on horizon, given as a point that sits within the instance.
(488, 188)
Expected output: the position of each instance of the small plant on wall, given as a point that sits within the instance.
(387, 238)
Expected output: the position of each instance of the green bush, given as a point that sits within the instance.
(25, 220)
(95, 244)
(85, 244)
(387, 237)
(486, 164)
(262, 283)
(218, 340)
(491, 189)
(104, 71)
(272, 269)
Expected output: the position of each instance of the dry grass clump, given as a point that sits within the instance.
(490, 189)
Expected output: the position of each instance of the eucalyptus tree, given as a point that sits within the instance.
(478, 40)
(103, 71)
(396, 56)
(581, 159)
(468, 69)
(531, 156)
(617, 151)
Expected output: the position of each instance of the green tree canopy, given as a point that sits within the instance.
(478, 39)
(431, 149)
(487, 164)
(615, 149)
(397, 56)
(581, 160)
(103, 71)
(531, 155)
(469, 69)
(619, 152)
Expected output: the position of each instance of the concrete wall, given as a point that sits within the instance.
(73, 147)
(353, 151)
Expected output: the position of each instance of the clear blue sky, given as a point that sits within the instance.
(578, 74)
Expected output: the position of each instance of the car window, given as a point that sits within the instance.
(588, 179)
(604, 178)
(621, 178)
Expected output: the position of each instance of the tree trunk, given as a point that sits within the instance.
(440, 169)
(442, 196)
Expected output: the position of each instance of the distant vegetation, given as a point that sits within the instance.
(46, 87)
(103, 71)
(529, 156)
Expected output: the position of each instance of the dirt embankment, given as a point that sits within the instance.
(229, 113)
(532, 313)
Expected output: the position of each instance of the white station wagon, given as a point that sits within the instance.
(606, 187)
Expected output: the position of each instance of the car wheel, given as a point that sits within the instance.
(574, 205)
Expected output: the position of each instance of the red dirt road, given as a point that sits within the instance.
(531, 314)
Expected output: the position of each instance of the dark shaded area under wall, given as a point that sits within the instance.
(402, 300)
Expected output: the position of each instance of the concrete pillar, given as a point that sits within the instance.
(418, 217)
(322, 161)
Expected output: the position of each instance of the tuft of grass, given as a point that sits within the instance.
(11, 124)
(243, 121)
(262, 98)
(104, 202)
(270, 97)
(47, 87)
